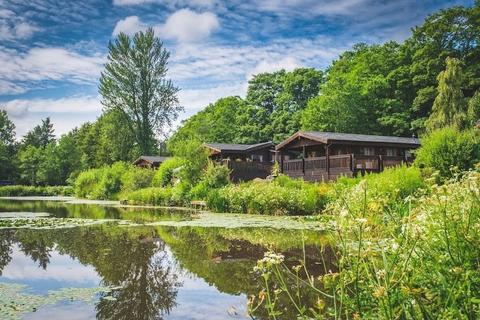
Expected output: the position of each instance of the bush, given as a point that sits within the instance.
(18, 191)
(423, 265)
(152, 196)
(102, 183)
(137, 178)
(377, 193)
(449, 151)
(214, 177)
(164, 174)
(282, 196)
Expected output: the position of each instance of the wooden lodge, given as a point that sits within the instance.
(152, 162)
(246, 161)
(324, 156)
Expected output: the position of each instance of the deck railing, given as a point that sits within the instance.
(247, 170)
(348, 164)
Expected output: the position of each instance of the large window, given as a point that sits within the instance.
(368, 151)
(392, 152)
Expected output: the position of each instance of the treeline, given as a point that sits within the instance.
(386, 89)
(41, 159)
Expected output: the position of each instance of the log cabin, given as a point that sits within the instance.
(151, 162)
(245, 161)
(324, 156)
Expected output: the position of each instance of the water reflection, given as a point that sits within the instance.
(157, 272)
(60, 209)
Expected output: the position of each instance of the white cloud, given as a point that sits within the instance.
(129, 25)
(287, 63)
(313, 7)
(14, 27)
(170, 3)
(183, 25)
(186, 25)
(39, 64)
(65, 113)
(130, 2)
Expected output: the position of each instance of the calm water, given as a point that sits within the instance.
(154, 272)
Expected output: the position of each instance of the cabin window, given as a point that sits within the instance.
(368, 151)
(257, 157)
(392, 152)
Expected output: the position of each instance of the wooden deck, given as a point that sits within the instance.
(317, 169)
(248, 170)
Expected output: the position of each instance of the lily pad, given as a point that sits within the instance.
(5, 215)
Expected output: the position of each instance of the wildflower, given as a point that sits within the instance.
(297, 268)
(381, 273)
(380, 292)
(456, 270)
(361, 220)
(320, 304)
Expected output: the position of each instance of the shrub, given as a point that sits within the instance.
(18, 190)
(137, 178)
(377, 193)
(448, 150)
(164, 174)
(152, 196)
(282, 196)
(214, 177)
(101, 183)
(421, 266)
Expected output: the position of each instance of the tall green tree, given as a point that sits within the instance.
(450, 106)
(8, 168)
(41, 135)
(134, 84)
(452, 32)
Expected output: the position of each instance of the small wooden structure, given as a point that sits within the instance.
(152, 162)
(246, 161)
(324, 156)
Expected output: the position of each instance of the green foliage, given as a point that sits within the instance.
(195, 156)
(41, 135)
(282, 196)
(214, 177)
(165, 173)
(450, 106)
(105, 182)
(134, 84)
(151, 196)
(449, 151)
(20, 191)
(136, 178)
(420, 263)
(381, 193)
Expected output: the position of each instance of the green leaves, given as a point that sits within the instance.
(134, 84)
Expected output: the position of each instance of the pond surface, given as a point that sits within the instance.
(91, 261)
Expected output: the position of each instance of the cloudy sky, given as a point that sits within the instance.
(52, 52)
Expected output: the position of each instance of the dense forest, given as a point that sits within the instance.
(393, 88)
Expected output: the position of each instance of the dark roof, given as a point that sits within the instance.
(328, 137)
(232, 147)
(151, 159)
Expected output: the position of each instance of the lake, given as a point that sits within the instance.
(76, 260)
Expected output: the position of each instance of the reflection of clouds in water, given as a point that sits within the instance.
(196, 298)
(60, 268)
(70, 311)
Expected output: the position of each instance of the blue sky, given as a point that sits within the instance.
(52, 52)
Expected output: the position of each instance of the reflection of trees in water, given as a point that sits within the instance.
(148, 289)
(131, 259)
(6, 240)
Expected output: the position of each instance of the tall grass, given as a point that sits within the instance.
(281, 196)
(421, 262)
(17, 191)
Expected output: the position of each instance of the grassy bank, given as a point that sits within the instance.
(18, 191)
(409, 253)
